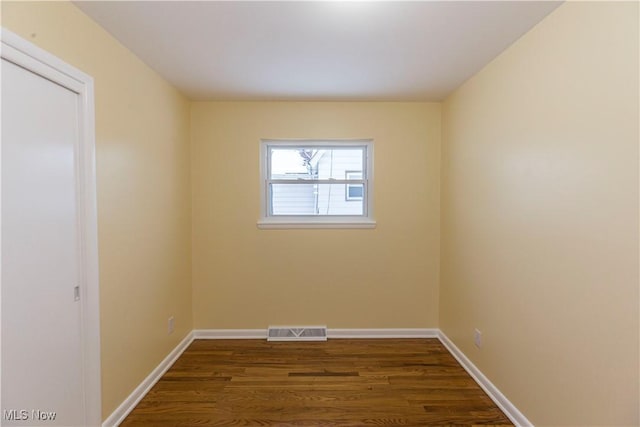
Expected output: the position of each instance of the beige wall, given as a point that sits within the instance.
(144, 213)
(244, 277)
(540, 218)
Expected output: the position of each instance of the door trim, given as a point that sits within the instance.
(30, 57)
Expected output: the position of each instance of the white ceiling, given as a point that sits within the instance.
(317, 50)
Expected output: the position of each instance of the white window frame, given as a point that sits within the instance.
(317, 221)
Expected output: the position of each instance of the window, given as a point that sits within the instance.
(353, 191)
(317, 184)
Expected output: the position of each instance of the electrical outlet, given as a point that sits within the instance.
(171, 324)
(477, 338)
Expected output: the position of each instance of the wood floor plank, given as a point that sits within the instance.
(404, 382)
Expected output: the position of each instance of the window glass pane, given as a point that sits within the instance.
(292, 163)
(314, 199)
(334, 163)
(355, 191)
(316, 163)
(353, 175)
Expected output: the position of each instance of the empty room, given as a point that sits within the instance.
(320, 213)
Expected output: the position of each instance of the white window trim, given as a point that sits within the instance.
(325, 221)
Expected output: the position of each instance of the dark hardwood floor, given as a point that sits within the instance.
(410, 382)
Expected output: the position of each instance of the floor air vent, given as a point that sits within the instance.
(297, 333)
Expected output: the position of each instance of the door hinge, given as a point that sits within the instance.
(76, 293)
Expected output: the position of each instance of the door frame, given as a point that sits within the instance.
(32, 58)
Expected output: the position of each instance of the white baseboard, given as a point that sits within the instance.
(492, 391)
(136, 396)
(382, 333)
(218, 334)
(229, 334)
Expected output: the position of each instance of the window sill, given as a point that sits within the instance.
(294, 224)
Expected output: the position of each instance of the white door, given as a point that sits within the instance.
(42, 360)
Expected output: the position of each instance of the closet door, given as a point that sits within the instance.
(42, 274)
